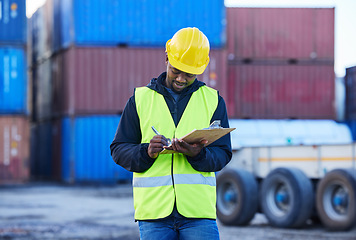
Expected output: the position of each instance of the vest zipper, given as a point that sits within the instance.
(175, 120)
(172, 172)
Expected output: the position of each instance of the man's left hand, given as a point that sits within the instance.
(190, 150)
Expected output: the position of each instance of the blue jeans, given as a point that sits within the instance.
(174, 228)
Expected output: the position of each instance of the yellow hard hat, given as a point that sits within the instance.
(188, 50)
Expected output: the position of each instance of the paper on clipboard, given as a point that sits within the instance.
(197, 135)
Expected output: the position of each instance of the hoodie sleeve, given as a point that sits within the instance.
(126, 148)
(218, 154)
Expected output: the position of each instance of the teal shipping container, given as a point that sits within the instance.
(13, 21)
(146, 23)
(13, 81)
(85, 149)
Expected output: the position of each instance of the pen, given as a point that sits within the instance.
(155, 130)
(157, 133)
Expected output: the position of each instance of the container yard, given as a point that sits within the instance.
(67, 72)
(14, 122)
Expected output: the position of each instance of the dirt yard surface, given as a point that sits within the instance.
(53, 211)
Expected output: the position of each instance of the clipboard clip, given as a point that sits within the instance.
(215, 124)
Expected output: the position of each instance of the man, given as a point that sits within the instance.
(174, 194)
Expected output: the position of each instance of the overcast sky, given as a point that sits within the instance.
(345, 23)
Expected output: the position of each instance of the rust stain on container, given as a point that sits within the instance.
(14, 149)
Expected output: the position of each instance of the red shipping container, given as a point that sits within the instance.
(350, 99)
(14, 149)
(280, 33)
(281, 91)
(101, 80)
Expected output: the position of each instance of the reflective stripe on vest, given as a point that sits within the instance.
(178, 179)
(171, 179)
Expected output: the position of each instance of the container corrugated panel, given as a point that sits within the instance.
(85, 152)
(43, 94)
(101, 80)
(13, 22)
(135, 23)
(215, 74)
(14, 149)
(350, 87)
(286, 91)
(41, 28)
(280, 33)
(31, 91)
(41, 158)
(13, 81)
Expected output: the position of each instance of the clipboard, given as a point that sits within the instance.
(211, 135)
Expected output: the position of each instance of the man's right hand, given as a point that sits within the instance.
(156, 145)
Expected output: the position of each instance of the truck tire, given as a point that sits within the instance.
(287, 198)
(336, 199)
(237, 197)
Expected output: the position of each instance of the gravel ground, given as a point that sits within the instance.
(51, 211)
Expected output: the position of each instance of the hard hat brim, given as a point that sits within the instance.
(185, 68)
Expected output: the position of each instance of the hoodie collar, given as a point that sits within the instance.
(157, 84)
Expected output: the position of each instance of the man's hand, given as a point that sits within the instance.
(156, 145)
(190, 150)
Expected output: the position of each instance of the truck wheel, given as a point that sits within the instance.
(287, 198)
(336, 199)
(237, 197)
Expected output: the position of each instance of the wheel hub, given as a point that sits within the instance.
(340, 200)
(282, 198)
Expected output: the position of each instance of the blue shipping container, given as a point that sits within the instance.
(352, 126)
(41, 146)
(143, 23)
(13, 81)
(85, 150)
(13, 21)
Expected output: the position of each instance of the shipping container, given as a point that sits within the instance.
(31, 92)
(280, 33)
(14, 149)
(40, 33)
(42, 90)
(85, 149)
(352, 126)
(281, 91)
(41, 147)
(13, 81)
(134, 23)
(13, 22)
(215, 74)
(101, 80)
(350, 89)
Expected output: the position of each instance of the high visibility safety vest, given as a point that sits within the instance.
(171, 179)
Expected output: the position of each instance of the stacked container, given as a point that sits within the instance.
(14, 124)
(350, 99)
(88, 56)
(280, 63)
